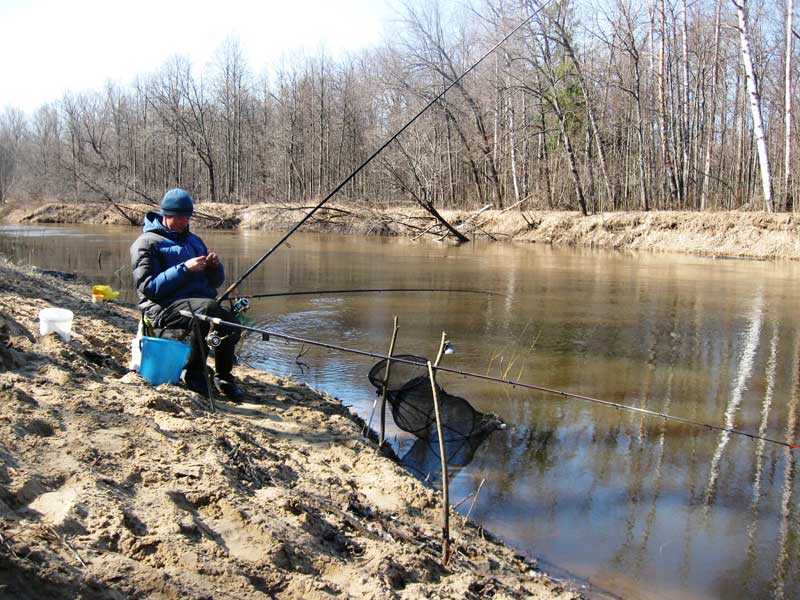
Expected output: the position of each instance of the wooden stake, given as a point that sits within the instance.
(386, 383)
(201, 343)
(368, 424)
(442, 456)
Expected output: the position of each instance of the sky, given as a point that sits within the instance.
(50, 46)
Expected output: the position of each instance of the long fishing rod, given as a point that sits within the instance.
(370, 291)
(267, 334)
(347, 179)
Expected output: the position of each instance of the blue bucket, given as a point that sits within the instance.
(162, 360)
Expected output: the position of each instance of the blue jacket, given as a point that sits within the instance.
(158, 258)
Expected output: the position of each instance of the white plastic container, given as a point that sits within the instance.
(136, 349)
(56, 320)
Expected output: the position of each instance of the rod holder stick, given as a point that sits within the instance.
(440, 353)
(442, 456)
(386, 383)
(201, 344)
(368, 424)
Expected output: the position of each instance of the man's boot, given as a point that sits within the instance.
(226, 384)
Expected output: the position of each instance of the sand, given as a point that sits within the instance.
(111, 488)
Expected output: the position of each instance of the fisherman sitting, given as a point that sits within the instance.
(174, 271)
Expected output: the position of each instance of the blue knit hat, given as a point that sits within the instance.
(177, 202)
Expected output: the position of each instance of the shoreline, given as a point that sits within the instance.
(111, 487)
(748, 235)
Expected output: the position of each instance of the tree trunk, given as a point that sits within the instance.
(594, 131)
(686, 125)
(713, 117)
(755, 103)
(512, 149)
(662, 105)
(544, 155)
(573, 163)
(787, 108)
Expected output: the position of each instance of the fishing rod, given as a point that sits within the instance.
(267, 334)
(370, 291)
(347, 179)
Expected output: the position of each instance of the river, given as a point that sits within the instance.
(642, 507)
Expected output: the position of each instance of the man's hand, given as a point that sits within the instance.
(197, 263)
(212, 260)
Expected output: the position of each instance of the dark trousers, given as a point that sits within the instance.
(170, 318)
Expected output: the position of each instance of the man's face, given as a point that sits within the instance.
(178, 223)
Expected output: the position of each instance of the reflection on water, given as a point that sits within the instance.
(644, 507)
(743, 375)
(752, 528)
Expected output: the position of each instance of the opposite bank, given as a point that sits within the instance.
(755, 235)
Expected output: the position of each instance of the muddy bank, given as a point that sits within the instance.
(110, 488)
(722, 234)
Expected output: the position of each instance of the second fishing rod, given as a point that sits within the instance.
(267, 334)
(346, 180)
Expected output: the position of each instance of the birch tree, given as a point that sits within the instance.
(755, 103)
(787, 107)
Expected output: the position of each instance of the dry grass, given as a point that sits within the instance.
(722, 234)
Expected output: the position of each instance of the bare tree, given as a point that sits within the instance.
(593, 106)
(711, 119)
(12, 131)
(787, 106)
(183, 104)
(755, 103)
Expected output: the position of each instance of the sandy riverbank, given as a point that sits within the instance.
(720, 234)
(110, 488)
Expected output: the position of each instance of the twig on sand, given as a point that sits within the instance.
(475, 497)
(75, 552)
(66, 544)
(8, 546)
(472, 496)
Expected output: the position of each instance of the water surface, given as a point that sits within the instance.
(643, 507)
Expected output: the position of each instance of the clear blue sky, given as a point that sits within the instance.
(50, 46)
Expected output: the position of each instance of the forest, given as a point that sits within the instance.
(592, 106)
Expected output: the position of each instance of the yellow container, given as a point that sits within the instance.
(101, 293)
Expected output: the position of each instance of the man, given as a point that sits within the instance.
(173, 271)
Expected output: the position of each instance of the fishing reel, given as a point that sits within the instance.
(214, 339)
(239, 306)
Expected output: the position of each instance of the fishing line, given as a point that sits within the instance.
(347, 179)
(266, 335)
(369, 291)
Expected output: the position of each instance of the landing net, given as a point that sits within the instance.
(409, 393)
